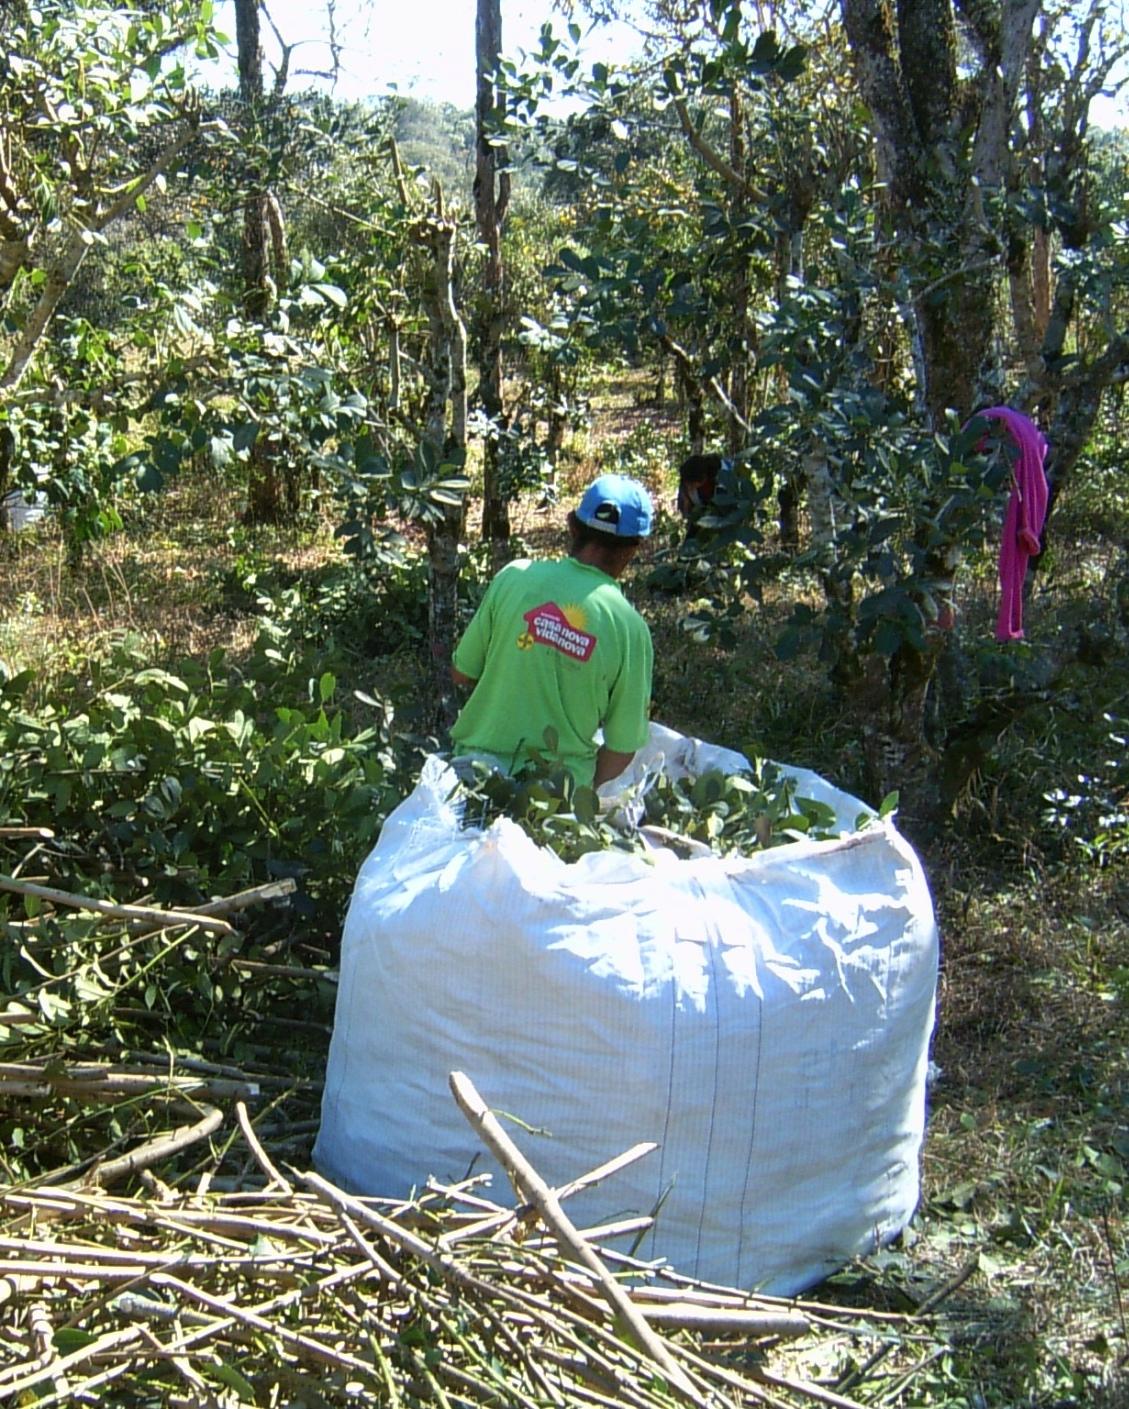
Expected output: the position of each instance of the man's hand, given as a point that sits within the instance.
(609, 765)
(463, 681)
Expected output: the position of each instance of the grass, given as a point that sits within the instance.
(1025, 1160)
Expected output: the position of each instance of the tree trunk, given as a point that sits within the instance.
(906, 63)
(742, 324)
(695, 414)
(691, 392)
(557, 422)
(789, 264)
(446, 387)
(393, 367)
(6, 446)
(491, 196)
(266, 499)
(255, 244)
(276, 227)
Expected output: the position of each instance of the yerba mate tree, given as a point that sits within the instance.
(954, 95)
(969, 254)
(491, 201)
(96, 118)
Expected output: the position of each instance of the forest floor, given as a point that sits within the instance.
(1022, 1211)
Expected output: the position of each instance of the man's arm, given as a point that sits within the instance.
(460, 679)
(610, 764)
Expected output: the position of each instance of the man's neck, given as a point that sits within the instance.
(594, 556)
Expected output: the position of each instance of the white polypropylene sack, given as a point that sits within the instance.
(765, 1019)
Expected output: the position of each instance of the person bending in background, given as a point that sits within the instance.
(699, 478)
(556, 645)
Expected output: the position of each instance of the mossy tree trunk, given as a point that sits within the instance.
(271, 495)
(942, 150)
(445, 433)
(491, 198)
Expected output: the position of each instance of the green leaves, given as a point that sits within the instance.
(545, 801)
(731, 813)
(740, 812)
(190, 779)
(431, 481)
(316, 294)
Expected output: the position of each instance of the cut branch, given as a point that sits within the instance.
(170, 1143)
(165, 919)
(532, 1187)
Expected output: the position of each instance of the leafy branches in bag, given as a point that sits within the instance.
(545, 800)
(737, 812)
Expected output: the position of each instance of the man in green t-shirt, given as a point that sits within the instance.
(556, 645)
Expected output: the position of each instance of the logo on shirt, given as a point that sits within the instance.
(564, 630)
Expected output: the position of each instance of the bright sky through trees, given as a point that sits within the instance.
(425, 48)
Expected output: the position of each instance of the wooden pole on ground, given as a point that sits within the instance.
(533, 1188)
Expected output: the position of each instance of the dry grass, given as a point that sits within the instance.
(165, 581)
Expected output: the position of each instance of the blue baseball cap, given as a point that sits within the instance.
(617, 505)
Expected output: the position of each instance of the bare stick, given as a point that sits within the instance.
(257, 1150)
(383, 1268)
(14, 1389)
(180, 1222)
(230, 904)
(170, 1143)
(535, 1189)
(257, 895)
(673, 841)
(167, 919)
(111, 1083)
(304, 1345)
(805, 1387)
(253, 1081)
(346, 1204)
(618, 1228)
(411, 1243)
(497, 1222)
(726, 1320)
(607, 1169)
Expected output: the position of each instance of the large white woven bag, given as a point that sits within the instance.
(766, 1020)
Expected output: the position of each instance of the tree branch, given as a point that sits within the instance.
(66, 266)
(691, 373)
(982, 18)
(161, 163)
(712, 158)
(999, 86)
(283, 70)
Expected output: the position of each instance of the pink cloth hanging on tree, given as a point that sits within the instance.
(1023, 519)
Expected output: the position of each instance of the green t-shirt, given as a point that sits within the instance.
(554, 644)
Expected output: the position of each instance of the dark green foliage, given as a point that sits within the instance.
(417, 488)
(202, 782)
(1093, 812)
(545, 801)
(738, 812)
